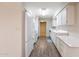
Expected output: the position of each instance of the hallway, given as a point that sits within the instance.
(44, 48)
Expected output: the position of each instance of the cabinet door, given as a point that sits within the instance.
(59, 19)
(57, 43)
(64, 20)
(70, 14)
(54, 22)
(61, 46)
(28, 35)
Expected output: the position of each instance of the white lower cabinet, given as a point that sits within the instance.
(66, 50)
(65, 46)
(57, 43)
(60, 46)
(53, 36)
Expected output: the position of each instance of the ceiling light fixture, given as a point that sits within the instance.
(44, 11)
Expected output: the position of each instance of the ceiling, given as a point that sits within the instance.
(35, 6)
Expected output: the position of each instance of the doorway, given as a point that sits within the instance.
(42, 29)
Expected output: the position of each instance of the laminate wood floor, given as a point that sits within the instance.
(44, 48)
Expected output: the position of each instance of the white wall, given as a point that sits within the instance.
(11, 29)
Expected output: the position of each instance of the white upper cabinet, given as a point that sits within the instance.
(54, 21)
(63, 17)
(59, 19)
(70, 14)
(67, 15)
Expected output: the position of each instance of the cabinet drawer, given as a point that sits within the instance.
(61, 44)
(61, 47)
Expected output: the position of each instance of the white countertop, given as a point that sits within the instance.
(60, 32)
(70, 40)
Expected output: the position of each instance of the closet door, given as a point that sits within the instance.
(28, 35)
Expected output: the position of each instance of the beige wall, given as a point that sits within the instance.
(11, 29)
